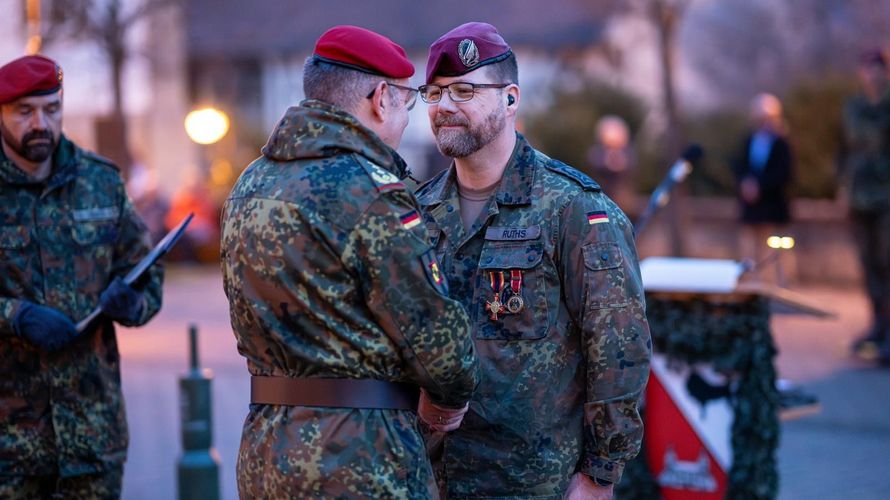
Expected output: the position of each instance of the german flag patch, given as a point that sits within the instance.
(410, 220)
(599, 217)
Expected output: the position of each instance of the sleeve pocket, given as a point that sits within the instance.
(604, 279)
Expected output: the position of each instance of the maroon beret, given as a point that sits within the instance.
(29, 75)
(363, 50)
(466, 48)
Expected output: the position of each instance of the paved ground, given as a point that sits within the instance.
(843, 452)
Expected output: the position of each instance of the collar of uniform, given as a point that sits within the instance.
(65, 161)
(318, 129)
(516, 184)
(63, 167)
(519, 176)
(436, 190)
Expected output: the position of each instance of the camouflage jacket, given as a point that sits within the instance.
(62, 242)
(329, 273)
(867, 148)
(562, 375)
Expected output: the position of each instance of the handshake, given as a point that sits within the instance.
(437, 418)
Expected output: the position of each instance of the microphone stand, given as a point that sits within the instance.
(662, 194)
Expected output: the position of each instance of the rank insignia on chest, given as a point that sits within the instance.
(599, 217)
(410, 220)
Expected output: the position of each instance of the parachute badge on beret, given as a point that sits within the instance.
(468, 53)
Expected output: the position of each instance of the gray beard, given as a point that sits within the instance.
(460, 144)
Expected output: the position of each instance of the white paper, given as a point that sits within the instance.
(675, 274)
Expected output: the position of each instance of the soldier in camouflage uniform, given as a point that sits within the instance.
(333, 288)
(68, 234)
(546, 267)
(867, 168)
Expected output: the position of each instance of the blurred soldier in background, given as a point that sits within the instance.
(68, 234)
(336, 297)
(867, 169)
(546, 266)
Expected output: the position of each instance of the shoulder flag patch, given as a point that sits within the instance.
(410, 220)
(599, 217)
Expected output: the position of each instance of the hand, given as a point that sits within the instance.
(121, 302)
(45, 327)
(583, 488)
(437, 418)
(750, 190)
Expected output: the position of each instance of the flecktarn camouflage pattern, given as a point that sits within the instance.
(329, 273)
(867, 162)
(62, 242)
(550, 279)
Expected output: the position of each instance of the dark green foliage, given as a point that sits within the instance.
(566, 129)
(720, 133)
(813, 109)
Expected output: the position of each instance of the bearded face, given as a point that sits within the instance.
(35, 146)
(458, 137)
(31, 126)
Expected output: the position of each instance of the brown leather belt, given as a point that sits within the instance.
(333, 392)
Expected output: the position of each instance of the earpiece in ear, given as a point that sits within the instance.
(510, 100)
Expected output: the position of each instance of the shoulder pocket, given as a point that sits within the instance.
(515, 263)
(512, 255)
(604, 279)
(94, 233)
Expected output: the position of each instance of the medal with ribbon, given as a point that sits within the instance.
(495, 307)
(515, 302)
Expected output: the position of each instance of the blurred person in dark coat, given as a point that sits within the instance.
(764, 170)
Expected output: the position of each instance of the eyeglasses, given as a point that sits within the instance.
(410, 101)
(459, 91)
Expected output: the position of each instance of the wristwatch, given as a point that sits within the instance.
(601, 482)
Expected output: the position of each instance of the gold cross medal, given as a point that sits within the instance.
(496, 307)
(515, 302)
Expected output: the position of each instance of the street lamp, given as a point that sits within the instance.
(780, 242)
(32, 12)
(206, 125)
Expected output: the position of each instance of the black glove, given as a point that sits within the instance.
(43, 326)
(122, 303)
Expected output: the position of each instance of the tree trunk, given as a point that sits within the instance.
(115, 141)
(665, 17)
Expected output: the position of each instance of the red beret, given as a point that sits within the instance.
(363, 50)
(466, 48)
(29, 75)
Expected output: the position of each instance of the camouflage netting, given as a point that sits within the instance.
(735, 338)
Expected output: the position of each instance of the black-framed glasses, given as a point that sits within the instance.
(412, 94)
(459, 91)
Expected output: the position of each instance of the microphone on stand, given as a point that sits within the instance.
(662, 194)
